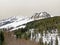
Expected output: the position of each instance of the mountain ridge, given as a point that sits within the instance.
(16, 21)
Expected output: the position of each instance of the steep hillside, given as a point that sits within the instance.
(45, 24)
(43, 30)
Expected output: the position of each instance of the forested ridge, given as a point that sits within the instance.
(45, 24)
(41, 25)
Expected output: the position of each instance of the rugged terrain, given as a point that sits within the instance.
(40, 29)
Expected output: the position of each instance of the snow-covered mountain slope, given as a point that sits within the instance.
(16, 21)
(41, 15)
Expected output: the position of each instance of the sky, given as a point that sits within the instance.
(10, 8)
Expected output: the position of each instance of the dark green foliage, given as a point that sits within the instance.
(22, 33)
(45, 24)
(1, 37)
(56, 41)
(27, 36)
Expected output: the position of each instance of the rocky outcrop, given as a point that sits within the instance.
(41, 15)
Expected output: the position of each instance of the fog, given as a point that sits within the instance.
(10, 8)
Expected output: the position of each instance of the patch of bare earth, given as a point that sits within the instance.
(11, 40)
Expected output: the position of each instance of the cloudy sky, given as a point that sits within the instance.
(10, 8)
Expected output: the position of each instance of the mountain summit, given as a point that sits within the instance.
(41, 15)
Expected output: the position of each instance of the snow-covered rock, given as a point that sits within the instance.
(41, 15)
(49, 38)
